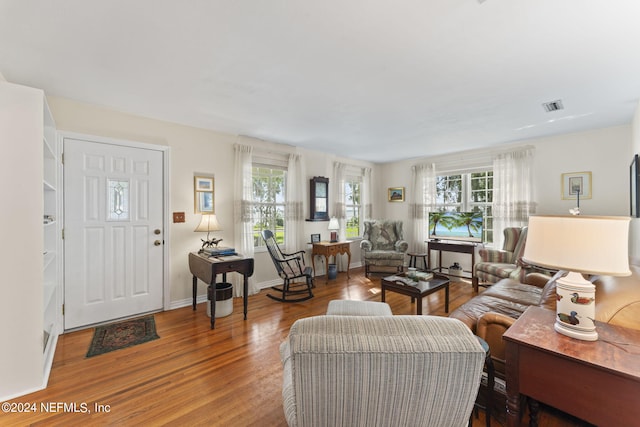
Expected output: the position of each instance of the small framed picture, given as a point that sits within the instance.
(315, 238)
(396, 194)
(203, 194)
(576, 184)
(204, 183)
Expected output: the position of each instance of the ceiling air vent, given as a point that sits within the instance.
(553, 106)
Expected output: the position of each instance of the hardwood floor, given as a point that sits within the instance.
(196, 376)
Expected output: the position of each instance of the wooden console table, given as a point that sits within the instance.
(328, 249)
(463, 248)
(207, 268)
(597, 381)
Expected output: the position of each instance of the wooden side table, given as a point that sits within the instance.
(328, 249)
(463, 248)
(596, 381)
(206, 268)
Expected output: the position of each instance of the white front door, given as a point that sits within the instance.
(113, 236)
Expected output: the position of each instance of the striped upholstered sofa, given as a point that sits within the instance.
(501, 264)
(379, 370)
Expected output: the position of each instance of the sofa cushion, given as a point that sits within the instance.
(514, 291)
(470, 312)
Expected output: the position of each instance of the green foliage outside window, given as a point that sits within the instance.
(352, 208)
(268, 207)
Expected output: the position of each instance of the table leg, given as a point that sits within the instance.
(348, 263)
(491, 382)
(326, 264)
(313, 263)
(513, 386)
(534, 406)
(446, 298)
(382, 294)
(245, 295)
(195, 290)
(419, 305)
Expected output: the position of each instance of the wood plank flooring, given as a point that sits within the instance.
(196, 376)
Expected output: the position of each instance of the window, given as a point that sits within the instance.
(353, 206)
(469, 192)
(269, 197)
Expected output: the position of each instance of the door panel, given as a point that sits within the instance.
(113, 202)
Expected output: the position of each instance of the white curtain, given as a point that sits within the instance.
(294, 219)
(243, 224)
(366, 196)
(339, 209)
(423, 201)
(512, 191)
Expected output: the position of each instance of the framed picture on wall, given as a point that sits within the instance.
(396, 194)
(576, 184)
(203, 194)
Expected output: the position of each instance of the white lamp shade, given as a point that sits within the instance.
(586, 244)
(334, 224)
(209, 222)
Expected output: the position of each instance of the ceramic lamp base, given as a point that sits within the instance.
(334, 236)
(575, 307)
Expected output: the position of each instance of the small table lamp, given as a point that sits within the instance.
(578, 244)
(209, 223)
(334, 226)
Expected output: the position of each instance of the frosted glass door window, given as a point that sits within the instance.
(118, 200)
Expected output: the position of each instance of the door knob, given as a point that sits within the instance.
(157, 243)
(157, 231)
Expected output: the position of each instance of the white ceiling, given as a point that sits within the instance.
(376, 80)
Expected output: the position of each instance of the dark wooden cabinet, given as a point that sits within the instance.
(319, 198)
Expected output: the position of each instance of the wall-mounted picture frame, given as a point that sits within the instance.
(203, 194)
(395, 194)
(315, 238)
(576, 184)
(634, 187)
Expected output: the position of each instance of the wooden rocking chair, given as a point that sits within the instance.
(289, 267)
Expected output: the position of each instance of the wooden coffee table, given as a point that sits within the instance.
(401, 284)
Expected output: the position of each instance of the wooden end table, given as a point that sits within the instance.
(328, 249)
(596, 381)
(206, 268)
(416, 290)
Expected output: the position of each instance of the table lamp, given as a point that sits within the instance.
(596, 245)
(209, 223)
(334, 226)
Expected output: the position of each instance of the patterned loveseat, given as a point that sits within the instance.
(383, 245)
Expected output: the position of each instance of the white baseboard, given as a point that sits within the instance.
(187, 302)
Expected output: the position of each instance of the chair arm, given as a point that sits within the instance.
(294, 254)
(402, 246)
(366, 245)
(494, 255)
(491, 326)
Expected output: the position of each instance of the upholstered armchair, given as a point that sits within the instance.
(367, 370)
(383, 245)
(501, 264)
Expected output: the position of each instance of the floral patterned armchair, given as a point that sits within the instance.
(383, 245)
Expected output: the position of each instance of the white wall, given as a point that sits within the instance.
(192, 150)
(606, 153)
